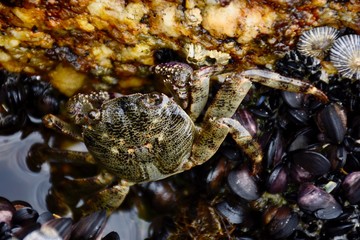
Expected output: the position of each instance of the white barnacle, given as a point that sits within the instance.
(345, 56)
(317, 41)
(198, 55)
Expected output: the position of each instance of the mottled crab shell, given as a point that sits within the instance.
(141, 137)
(317, 41)
(345, 55)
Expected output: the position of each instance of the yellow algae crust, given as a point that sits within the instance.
(108, 37)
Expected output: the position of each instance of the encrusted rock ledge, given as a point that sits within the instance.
(114, 38)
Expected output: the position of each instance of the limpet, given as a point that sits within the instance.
(317, 41)
(345, 55)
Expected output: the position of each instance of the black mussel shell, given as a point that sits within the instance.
(161, 228)
(294, 100)
(351, 187)
(7, 211)
(111, 236)
(216, 176)
(344, 224)
(303, 139)
(298, 174)
(296, 65)
(280, 222)
(243, 184)
(18, 220)
(247, 120)
(337, 155)
(11, 123)
(351, 145)
(261, 111)
(234, 212)
(337, 91)
(275, 148)
(332, 120)
(21, 232)
(63, 226)
(314, 200)
(12, 97)
(18, 204)
(161, 194)
(299, 116)
(352, 162)
(307, 164)
(5, 231)
(333, 229)
(43, 97)
(22, 96)
(25, 216)
(278, 179)
(89, 227)
(232, 153)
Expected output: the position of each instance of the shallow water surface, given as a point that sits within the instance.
(18, 182)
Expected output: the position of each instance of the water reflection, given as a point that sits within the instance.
(18, 182)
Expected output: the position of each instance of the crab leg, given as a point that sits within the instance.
(218, 123)
(229, 97)
(189, 88)
(55, 123)
(207, 141)
(108, 199)
(176, 77)
(213, 133)
(277, 81)
(200, 91)
(87, 184)
(245, 141)
(40, 153)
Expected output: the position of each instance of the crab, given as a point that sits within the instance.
(147, 137)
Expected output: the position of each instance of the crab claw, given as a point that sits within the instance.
(277, 81)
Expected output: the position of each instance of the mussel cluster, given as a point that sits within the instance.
(24, 97)
(18, 220)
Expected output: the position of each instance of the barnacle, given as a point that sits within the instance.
(198, 55)
(317, 41)
(345, 55)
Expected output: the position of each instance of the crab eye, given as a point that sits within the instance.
(74, 109)
(153, 99)
(94, 115)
